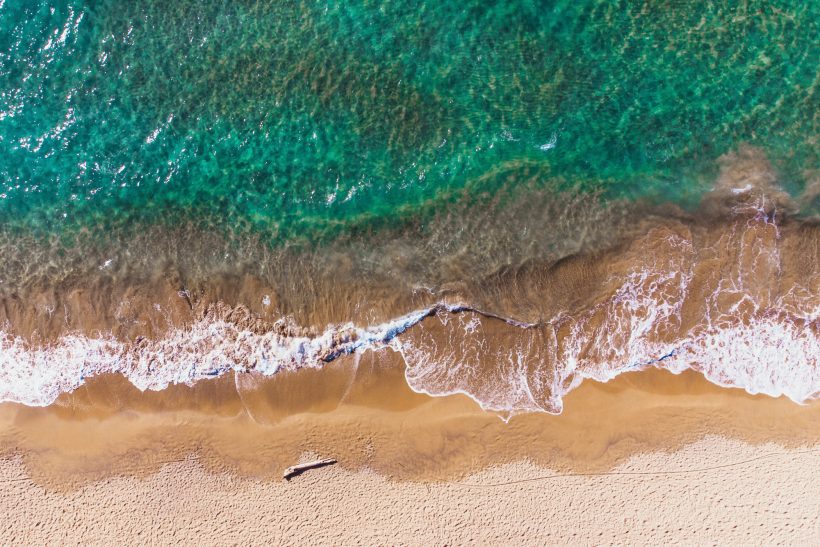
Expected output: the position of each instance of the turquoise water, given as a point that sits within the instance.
(304, 119)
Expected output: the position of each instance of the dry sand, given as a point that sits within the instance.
(712, 492)
(647, 458)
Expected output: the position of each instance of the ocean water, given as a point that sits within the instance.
(191, 188)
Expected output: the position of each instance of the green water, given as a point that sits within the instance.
(306, 119)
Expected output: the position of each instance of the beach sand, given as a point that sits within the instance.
(714, 491)
(648, 457)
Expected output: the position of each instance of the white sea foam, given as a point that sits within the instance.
(769, 355)
(36, 376)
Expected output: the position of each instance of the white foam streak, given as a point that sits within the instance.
(36, 376)
(772, 357)
(769, 356)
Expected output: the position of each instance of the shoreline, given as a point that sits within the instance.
(364, 415)
(732, 295)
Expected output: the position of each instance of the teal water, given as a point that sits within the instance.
(303, 119)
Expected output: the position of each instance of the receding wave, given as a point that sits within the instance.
(735, 323)
(504, 365)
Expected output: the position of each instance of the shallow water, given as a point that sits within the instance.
(298, 116)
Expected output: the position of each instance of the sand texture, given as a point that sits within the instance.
(714, 491)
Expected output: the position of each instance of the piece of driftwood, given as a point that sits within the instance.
(298, 469)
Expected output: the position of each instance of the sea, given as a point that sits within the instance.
(513, 196)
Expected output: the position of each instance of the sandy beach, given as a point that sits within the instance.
(714, 491)
(648, 457)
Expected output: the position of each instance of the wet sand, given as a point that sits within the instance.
(205, 462)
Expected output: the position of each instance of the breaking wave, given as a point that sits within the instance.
(719, 305)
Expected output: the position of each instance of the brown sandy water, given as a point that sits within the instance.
(735, 299)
